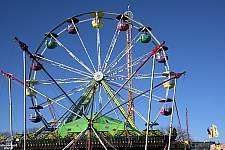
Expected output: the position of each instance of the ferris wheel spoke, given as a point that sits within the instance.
(72, 91)
(98, 49)
(85, 49)
(54, 63)
(74, 56)
(134, 63)
(116, 77)
(117, 59)
(140, 59)
(56, 102)
(110, 50)
(136, 76)
(139, 114)
(43, 50)
(100, 97)
(146, 76)
(124, 66)
(82, 21)
(134, 90)
(122, 54)
(64, 81)
(61, 31)
(145, 119)
(117, 70)
(69, 110)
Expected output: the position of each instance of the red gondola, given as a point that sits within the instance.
(122, 26)
(36, 67)
(166, 111)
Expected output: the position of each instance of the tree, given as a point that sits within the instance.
(181, 134)
(7, 133)
(31, 130)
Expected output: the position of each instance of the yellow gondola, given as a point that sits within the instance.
(30, 93)
(97, 23)
(169, 84)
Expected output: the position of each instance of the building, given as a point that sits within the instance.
(201, 145)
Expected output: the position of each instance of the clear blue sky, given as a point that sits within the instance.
(193, 30)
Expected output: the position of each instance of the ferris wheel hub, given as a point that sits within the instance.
(98, 76)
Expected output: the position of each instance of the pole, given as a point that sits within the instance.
(171, 117)
(25, 105)
(10, 103)
(129, 72)
(89, 139)
(187, 131)
(150, 102)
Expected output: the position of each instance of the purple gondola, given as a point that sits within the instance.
(161, 59)
(72, 30)
(35, 119)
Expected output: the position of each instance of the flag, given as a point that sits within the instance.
(210, 133)
(213, 131)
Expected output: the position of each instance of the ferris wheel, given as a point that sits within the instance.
(99, 64)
